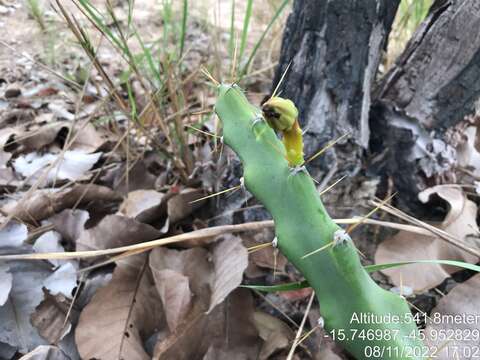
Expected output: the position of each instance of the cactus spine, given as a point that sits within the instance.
(350, 301)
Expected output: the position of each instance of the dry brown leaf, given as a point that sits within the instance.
(49, 317)
(179, 206)
(228, 329)
(115, 231)
(404, 246)
(139, 177)
(4, 158)
(25, 294)
(230, 259)
(215, 353)
(121, 315)
(239, 331)
(15, 117)
(49, 242)
(195, 330)
(70, 223)
(62, 280)
(453, 325)
(192, 336)
(93, 282)
(88, 139)
(35, 139)
(179, 275)
(7, 135)
(44, 203)
(460, 221)
(274, 332)
(8, 179)
(151, 206)
(13, 234)
(45, 352)
(45, 118)
(143, 205)
(175, 293)
(22, 286)
(71, 165)
(268, 258)
(35, 136)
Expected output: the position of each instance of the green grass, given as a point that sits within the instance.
(48, 38)
(410, 14)
(36, 12)
(157, 62)
(246, 25)
(231, 39)
(258, 43)
(183, 30)
(369, 268)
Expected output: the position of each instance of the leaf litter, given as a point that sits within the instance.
(456, 313)
(460, 221)
(72, 165)
(120, 314)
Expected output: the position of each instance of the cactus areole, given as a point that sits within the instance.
(368, 321)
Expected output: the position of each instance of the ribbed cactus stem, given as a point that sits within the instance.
(351, 303)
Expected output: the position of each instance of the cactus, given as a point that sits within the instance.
(368, 321)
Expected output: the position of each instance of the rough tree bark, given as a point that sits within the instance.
(334, 47)
(433, 85)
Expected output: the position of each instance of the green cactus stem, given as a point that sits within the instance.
(368, 321)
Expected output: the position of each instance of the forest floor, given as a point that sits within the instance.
(119, 149)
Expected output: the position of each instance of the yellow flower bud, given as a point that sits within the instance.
(280, 113)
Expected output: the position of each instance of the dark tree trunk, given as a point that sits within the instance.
(433, 85)
(334, 47)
